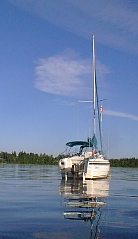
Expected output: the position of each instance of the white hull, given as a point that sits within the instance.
(95, 167)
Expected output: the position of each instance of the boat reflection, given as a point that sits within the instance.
(84, 201)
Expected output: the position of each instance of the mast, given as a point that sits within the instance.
(95, 99)
(95, 95)
(94, 86)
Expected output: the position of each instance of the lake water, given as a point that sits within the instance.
(36, 203)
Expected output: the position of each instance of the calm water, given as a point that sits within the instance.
(33, 200)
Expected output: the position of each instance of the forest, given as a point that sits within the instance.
(44, 159)
(124, 162)
(28, 158)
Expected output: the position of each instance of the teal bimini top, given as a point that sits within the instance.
(78, 143)
(90, 143)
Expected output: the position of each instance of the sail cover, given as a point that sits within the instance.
(94, 141)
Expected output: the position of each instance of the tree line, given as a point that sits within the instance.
(124, 162)
(44, 159)
(28, 158)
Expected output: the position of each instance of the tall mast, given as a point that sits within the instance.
(95, 96)
(94, 85)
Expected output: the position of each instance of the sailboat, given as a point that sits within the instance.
(89, 162)
(96, 166)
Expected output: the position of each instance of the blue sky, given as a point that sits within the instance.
(46, 67)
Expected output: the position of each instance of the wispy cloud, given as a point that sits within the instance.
(62, 75)
(65, 74)
(121, 114)
(114, 22)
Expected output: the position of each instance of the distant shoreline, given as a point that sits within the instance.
(44, 159)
